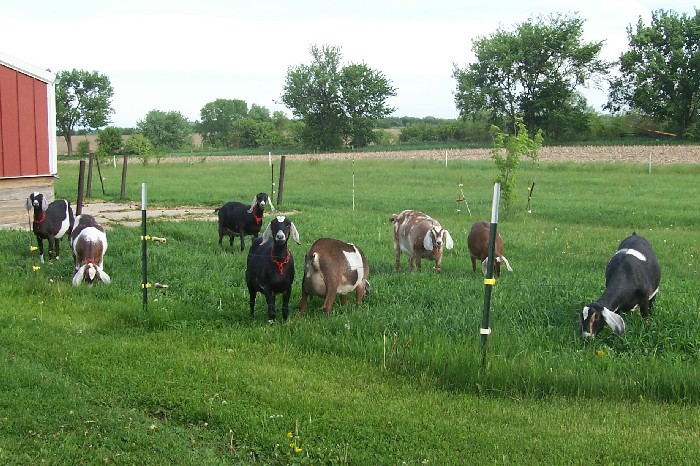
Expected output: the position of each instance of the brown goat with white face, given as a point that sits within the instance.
(478, 244)
(419, 236)
(333, 267)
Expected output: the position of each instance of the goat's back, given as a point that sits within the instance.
(634, 265)
(478, 240)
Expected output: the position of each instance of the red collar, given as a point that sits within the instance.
(258, 220)
(280, 264)
(43, 217)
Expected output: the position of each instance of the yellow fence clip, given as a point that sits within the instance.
(145, 238)
(33, 248)
(35, 268)
(160, 240)
(489, 281)
(147, 285)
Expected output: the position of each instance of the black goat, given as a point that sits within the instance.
(238, 219)
(632, 279)
(51, 222)
(270, 267)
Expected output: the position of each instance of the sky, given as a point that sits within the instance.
(179, 55)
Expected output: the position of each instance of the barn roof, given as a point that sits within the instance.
(26, 68)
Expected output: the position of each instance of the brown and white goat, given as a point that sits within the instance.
(419, 236)
(478, 244)
(333, 267)
(89, 244)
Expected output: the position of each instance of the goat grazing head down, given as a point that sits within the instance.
(270, 266)
(51, 222)
(89, 244)
(239, 219)
(419, 236)
(632, 278)
(478, 244)
(333, 267)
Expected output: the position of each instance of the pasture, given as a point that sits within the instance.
(88, 377)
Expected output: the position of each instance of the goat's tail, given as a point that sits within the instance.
(393, 218)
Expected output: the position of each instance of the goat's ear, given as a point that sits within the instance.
(449, 244)
(428, 241)
(252, 205)
(79, 275)
(269, 201)
(615, 321)
(266, 234)
(484, 264)
(505, 261)
(295, 233)
(103, 276)
(44, 204)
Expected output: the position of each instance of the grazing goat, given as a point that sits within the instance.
(51, 222)
(333, 267)
(632, 279)
(418, 235)
(478, 244)
(270, 266)
(89, 244)
(238, 219)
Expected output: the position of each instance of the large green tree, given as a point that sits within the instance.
(660, 73)
(534, 72)
(337, 104)
(166, 130)
(83, 99)
(216, 119)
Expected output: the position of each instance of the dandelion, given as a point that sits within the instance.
(600, 353)
(297, 450)
(289, 435)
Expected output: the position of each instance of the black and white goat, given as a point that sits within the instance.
(238, 219)
(419, 236)
(51, 222)
(333, 267)
(478, 245)
(632, 279)
(89, 244)
(270, 266)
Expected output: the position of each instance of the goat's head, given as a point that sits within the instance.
(436, 238)
(594, 316)
(260, 200)
(280, 229)
(36, 200)
(496, 265)
(89, 272)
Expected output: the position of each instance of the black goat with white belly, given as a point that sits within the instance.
(51, 222)
(270, 266)
(632, 279)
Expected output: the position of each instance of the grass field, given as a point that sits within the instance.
(88, 377)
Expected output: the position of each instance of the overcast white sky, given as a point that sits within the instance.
(179, 55)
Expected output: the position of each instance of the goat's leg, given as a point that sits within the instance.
(330, 297)
(56, 247)
(252, 292)
(397, 255)
(302, 303)
(473, 264)
(271, 310)
(242, 236)
(359, 292)
(418, 264)
(40, 244)
(285, 304)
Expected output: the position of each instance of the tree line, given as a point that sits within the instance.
(532, 72)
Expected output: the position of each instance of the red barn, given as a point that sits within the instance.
(28, 159)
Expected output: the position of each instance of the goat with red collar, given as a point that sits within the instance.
(270, 266)
(89, 244)
(51, 222)
(238, 219)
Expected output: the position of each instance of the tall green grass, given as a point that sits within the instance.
(89, 377)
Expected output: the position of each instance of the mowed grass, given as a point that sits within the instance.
(89, 377)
